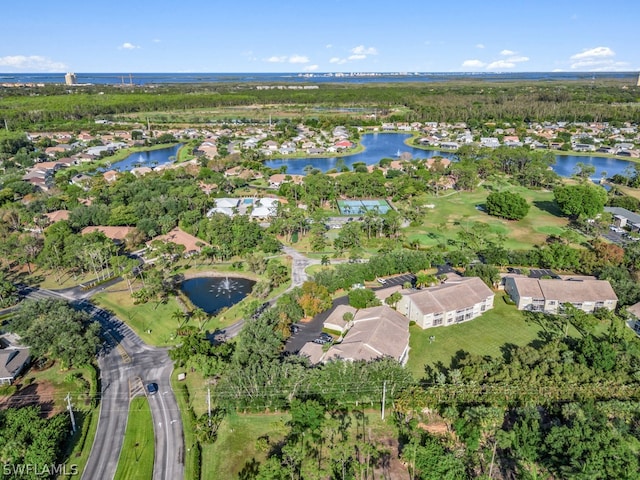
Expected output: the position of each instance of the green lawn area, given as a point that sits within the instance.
(52, 280)
(454, 211)
(136, 457)
(503, 324)
(237, 443)
(191, 467)
(142, 318)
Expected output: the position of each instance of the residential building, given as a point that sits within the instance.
(624, 218)
(117, 234)
(377, 332)
(548, 295)
(227, 206)
(13, 358)
(336, 322)
(192, 245)
(454, 301)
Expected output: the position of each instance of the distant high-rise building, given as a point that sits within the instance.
(638, 84)
(70, 79)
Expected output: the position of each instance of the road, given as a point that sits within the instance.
(127, 364)
(299, 264)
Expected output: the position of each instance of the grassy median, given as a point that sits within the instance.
(136, 457)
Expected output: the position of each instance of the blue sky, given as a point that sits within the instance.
(319, 36)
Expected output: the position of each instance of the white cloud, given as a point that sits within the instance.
(473, 64)
(128, 46)
(479, 45)
(356, 57)
(509, 62)
(337, 60)
(311, 68)
(500, 65)
(156, 40)
(288, 59)
(362, 50)
(328, 45)
(598, 52)
(598, 59)
(31, 63)
(518, 59)
(298, 59)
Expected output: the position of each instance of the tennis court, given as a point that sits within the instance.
(360, 207)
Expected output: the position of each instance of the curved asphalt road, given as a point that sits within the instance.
(127, 364)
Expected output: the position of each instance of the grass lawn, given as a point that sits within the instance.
(50, 279)
(83, 441)
(190, 458)
(237, 443)
(503, 324)
(136, 457)
(632, 192)
(454, 211)
(144, 317)
(77, 381)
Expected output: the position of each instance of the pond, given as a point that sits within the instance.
(391, 145)
(148, 158)
(212, 294)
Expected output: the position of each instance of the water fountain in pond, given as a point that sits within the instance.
(225, 287)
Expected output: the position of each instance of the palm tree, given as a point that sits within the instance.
(200, 316)
(179, 316)
(393, 299)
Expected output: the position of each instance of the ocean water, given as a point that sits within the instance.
(117, 78)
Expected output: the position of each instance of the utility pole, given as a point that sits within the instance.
(384, 396)
(209, 403)
(73, 419)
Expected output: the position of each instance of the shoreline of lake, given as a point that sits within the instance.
(379, 145)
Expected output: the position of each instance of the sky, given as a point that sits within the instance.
(319, 36)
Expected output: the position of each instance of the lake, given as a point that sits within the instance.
(377, 146)
(391, 145)
(148, 158)
(212, 294)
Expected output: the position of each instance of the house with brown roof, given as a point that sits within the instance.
(455, 301)
(110, 176)
(377, 332)
(548, 295)
(117, 234)
(57, 216)
(180, 237)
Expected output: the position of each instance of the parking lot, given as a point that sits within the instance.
(398, 280)
(534, 272)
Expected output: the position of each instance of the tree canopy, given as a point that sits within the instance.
(507, 205)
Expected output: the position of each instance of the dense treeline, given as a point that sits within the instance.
(32, 446)
(55, 331)
(469, 102)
